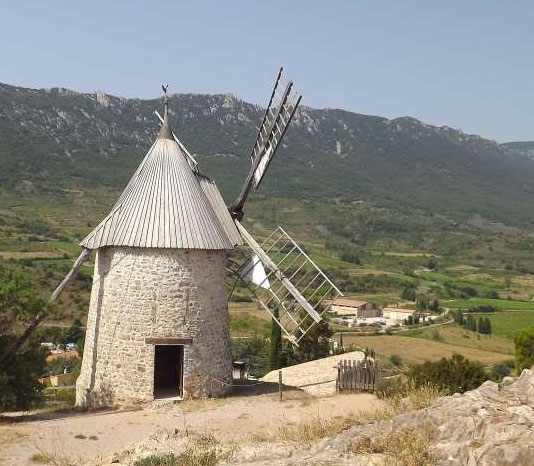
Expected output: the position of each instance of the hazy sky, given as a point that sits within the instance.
(466, 64)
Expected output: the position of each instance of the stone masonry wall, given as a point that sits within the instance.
(145, 293)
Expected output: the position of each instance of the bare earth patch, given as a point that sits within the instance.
(82, 437)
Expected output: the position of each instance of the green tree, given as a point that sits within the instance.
(458, 317)
(314, 345)
(408, 293)
(456, 374)
(73, 334)
(489, 330)
(19, 304)
(434, 305)
(484, 325)
(254, 352)
(524, 349)
(421, 304)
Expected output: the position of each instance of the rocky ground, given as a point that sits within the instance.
(489, 426)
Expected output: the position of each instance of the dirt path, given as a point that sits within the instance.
(87, 436)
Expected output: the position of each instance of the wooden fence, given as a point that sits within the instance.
(360, 375)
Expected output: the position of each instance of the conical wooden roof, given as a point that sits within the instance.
(163, 206)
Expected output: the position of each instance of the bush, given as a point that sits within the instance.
(457, 374)
(524, 350)
(395, 359)
(501, 370)
(408, 293)
(350, 256)
(388, 387)
(255, 352)
(240, 298)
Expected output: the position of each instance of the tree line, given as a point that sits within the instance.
(470, 322)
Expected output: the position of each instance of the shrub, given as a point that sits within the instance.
(240, 298)
(501, 370)
(395, 359)
(408, 293)
(350, 256)
(457, 374)
(389, 387)
(524, 350)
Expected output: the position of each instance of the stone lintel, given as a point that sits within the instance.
(168, 341)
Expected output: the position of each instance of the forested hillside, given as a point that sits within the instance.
(376, 202)
(59, 139)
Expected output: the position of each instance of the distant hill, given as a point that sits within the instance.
(521, 147)
(57, 139)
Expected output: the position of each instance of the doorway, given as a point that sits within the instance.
(169, 371)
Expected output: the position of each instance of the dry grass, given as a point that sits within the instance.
(41, 458)
(311, 431)
(52, 451)
(416, 350)
(56, 458)
(199, 449)
(199, 404)
(408, 446)
(458, 336)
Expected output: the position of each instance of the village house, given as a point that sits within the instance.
(351, 306)
(395, 315)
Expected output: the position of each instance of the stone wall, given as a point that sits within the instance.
(153, 293)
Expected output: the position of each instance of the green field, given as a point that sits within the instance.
(507, 324)
(501, 304)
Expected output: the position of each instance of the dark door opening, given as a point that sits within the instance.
(168, 371)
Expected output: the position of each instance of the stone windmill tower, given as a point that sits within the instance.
(158, 322)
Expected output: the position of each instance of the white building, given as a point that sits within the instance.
(355, 307)
(395, 315)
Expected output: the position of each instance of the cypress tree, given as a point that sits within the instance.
(481, 325)
(488, 326)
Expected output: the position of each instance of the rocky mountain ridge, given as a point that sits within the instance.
(61, 138)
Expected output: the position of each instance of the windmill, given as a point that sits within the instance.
(285, 280)
(158, 299)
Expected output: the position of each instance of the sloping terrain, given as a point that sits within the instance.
(489, 426)
(58, 139)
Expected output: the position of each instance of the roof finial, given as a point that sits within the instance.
(165, 131)
(165, 100)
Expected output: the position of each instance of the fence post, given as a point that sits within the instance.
(338, 376)
(280, 384)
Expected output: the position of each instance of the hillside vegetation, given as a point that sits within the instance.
(382, 205)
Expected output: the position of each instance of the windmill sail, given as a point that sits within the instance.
(254, 271)
(280, 111)
(297, 290)
(278, 115)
